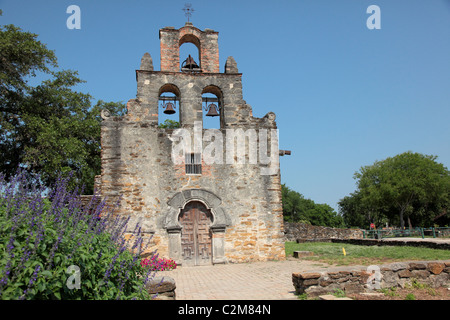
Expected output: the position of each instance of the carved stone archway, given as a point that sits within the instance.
(221, 220)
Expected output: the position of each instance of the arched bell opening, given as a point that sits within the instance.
(190, 53)
(212, 105)
(169, 104)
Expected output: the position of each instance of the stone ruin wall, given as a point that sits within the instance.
(305, 232)
(357, 279)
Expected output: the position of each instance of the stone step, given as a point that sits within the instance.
(300, 254)
(331, 297)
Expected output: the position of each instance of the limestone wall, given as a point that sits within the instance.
(358, 279)
(137, 167)
(301, 231)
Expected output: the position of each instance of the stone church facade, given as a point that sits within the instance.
(197, 210)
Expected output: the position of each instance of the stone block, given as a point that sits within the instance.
(420, 274)
(325, 283)
(363, 276)
(389, 279)
(435, 267)
(315, 291)
(299, 254)
(160, 285)
(334, 275)
(164, 297)
(343, 279)
(331, 297)
(417, 266)
(310, 282)
(404, 273)
(308, 275)
(398, 266)
(440, 280)
(351, 288)
(372, 294)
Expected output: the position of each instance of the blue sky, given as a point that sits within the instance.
(345, 96)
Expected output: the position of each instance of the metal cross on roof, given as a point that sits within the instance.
(188, 10)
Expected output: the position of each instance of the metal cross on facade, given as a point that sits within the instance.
(188, 10)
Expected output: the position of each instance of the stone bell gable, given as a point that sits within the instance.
(217, 201)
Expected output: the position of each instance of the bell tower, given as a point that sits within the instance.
(206, 42)
(187, 89)
(222, 202)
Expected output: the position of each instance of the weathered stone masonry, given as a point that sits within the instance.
(297, 231)
(244, 206)
(357, 279)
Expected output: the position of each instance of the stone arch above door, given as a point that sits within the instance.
(220, 222)
(213, 202)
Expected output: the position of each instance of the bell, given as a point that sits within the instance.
(189, 63)
(212, 112)
(169, 108)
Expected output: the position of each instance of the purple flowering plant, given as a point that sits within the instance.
(44, 232)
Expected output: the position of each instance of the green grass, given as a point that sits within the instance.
(390, 292)
(331, 253)
(410, 296)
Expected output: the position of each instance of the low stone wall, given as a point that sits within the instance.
(386, 242)
(162, 288)
(296, 230)
(357, 279)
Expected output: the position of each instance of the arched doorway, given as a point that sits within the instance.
(195, 220)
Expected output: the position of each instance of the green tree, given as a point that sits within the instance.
(411, 185)
(291, 204)
(50, 130)
(323, 215)
(356, 214)
(169, 124)
(298, 209)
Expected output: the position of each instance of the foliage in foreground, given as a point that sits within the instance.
(44, 241)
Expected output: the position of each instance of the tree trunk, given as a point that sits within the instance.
(409, 224)
(402, 223)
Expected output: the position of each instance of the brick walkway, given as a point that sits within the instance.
(270, 280)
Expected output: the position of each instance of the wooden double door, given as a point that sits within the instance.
(196, 220)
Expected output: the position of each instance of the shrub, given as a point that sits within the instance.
(43, 241)
(410, 296)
